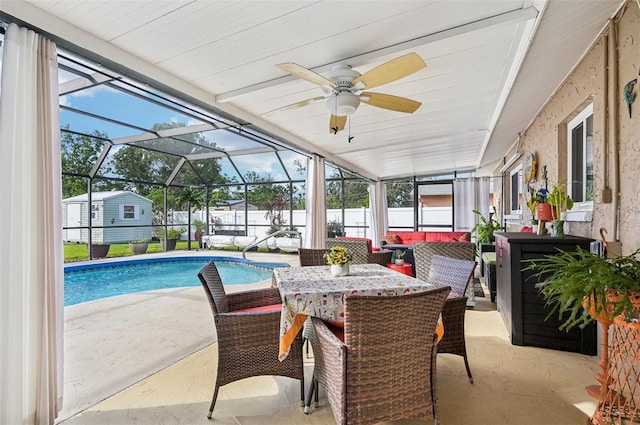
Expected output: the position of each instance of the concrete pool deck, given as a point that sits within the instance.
(112, 343)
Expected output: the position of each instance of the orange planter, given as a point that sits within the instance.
(545, 212)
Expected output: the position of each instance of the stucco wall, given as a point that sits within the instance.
(590, 82)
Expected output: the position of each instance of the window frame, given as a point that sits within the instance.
(518, 195)
(580, 119)
(124, 212)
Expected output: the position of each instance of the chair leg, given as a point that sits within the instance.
(302, 399)
(213, 401)
(316, 390)
(466, 364)
(312, 389)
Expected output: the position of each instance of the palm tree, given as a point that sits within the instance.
(193, 199)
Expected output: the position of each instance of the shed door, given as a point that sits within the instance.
(73, 220)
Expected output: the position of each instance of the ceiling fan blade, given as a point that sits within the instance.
(336, 124)
(390, 71)
(295, 105)
(306, 74)
(387, 101)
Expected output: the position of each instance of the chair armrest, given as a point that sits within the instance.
(253, 329)
(255, 298)
(380, 257)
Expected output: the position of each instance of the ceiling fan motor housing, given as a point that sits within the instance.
(343, 101)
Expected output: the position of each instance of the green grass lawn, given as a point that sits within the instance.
(79, 251)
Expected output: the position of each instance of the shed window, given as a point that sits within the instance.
(128, 212)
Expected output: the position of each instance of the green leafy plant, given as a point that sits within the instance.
(140, 241)
(172, 233)
(483, 231)
(559, 200)
(579, 285)
(400, 253)
(199, 225)
(334, 228)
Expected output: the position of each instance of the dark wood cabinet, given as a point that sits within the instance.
(519, 302)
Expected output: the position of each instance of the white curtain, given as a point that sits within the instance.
(379, 213)
(31, 287)
(316, 204)
(470, 194)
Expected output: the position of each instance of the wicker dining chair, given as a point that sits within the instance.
(456, 274)
(360, 251)
(248, 330)
(424, 251)
(385, 367)
(312, 257)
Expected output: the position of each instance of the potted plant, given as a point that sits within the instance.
(334, 228)
(580, 286)
(559, 202)
(173, 235)
(199, 226)
(399, 256)
(138, 246)
(338, 258)
(484, 229)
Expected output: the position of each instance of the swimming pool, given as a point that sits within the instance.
(90, 282)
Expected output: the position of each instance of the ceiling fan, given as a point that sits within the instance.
(343, 87)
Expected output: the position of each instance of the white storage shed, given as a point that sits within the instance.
(108, 210)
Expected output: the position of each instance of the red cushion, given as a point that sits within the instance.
(262, 308)
(337, 331)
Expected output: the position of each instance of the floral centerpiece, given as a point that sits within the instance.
(338, 257)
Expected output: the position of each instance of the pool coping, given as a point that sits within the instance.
(125, 261)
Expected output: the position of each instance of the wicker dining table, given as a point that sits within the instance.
(312, 291)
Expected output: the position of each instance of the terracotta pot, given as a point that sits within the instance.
(544, 212)
(603, 316)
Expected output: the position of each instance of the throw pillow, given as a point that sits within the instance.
(465, 238)
(392, 239)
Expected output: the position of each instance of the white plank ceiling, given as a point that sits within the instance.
(477, 91)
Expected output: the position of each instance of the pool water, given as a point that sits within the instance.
(89, 283)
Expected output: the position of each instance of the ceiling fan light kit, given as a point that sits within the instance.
(343, 87)
(343, 103)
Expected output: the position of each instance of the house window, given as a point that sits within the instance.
(128, 212)
(516, 196)
(580, 163)
(94, 212)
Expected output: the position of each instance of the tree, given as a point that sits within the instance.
(78, 155)
(193, 199)
(399, 193)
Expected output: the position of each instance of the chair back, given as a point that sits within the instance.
(452, 272)
(390, 356)
(312, 256)
(424, 251)
(359, 249)
(212, 283)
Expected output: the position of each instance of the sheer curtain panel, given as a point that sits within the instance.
(470, 194)
(316, 204)
(379, 215)
(31, 288)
